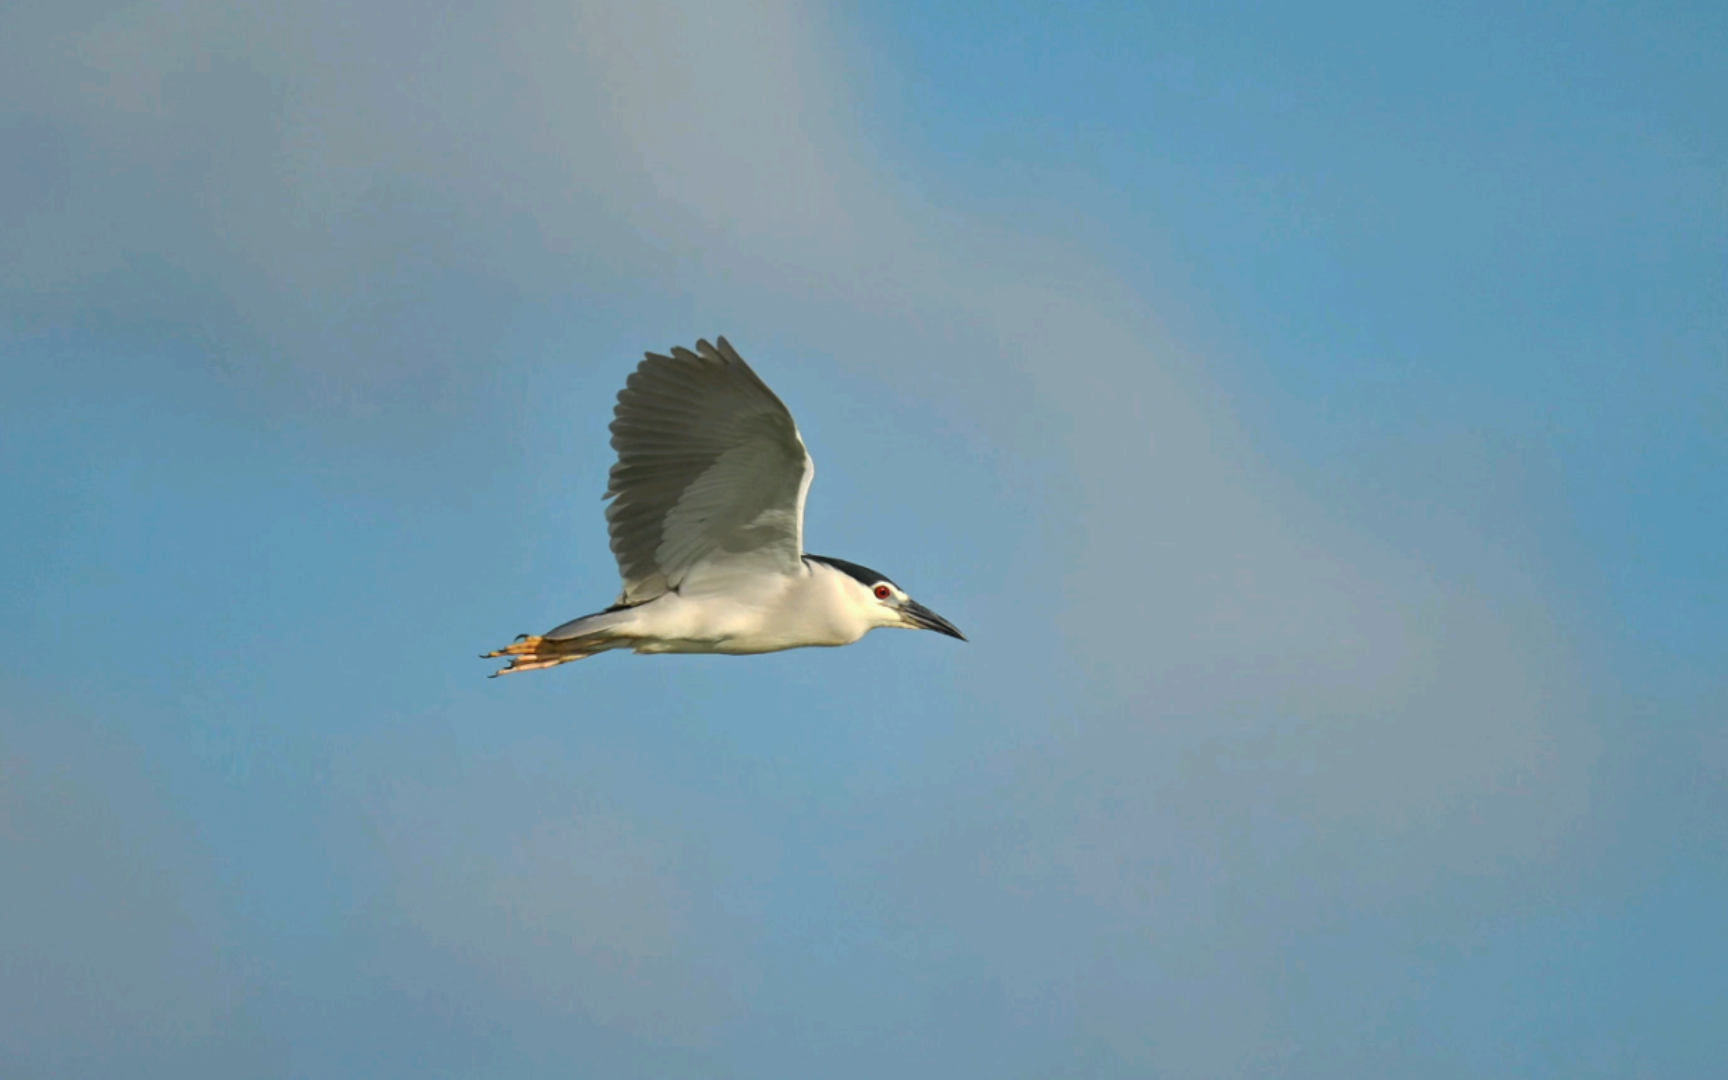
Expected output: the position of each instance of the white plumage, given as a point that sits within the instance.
(707, 523)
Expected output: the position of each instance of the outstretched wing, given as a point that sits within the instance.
(711, 470)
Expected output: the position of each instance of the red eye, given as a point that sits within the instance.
(881, 592)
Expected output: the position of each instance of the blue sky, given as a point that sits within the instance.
(1314, 417)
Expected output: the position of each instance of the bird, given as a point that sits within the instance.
(706, 520)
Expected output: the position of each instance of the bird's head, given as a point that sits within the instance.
(883, 603)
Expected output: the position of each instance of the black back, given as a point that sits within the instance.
(863, 575)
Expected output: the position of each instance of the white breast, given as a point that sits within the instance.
(762, 613)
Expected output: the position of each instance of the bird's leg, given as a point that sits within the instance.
(532, 652)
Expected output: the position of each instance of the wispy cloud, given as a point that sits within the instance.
(524, 887)
(1238, 713)
(113, 920)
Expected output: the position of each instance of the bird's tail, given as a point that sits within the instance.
(575, 640)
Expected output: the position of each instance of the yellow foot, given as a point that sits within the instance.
(531, 653)
(525, 645)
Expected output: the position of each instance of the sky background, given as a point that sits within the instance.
(1317, 418)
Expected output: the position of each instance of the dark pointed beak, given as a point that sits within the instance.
(923, 618)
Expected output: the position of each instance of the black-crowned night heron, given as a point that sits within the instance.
(707, 522)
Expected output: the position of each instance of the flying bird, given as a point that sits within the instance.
(707, 522)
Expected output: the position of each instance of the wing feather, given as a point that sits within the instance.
(710, 467)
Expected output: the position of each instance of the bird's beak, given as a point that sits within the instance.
(922, 618)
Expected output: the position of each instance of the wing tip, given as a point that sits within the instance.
(721, 351)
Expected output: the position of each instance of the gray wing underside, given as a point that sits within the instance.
(711, 471)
